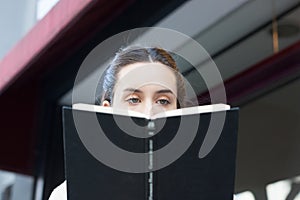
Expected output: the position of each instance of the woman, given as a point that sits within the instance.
(140, 79)
(136, 67)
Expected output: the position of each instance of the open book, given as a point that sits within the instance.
(177, 112)
(115, 154)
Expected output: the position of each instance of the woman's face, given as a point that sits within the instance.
(147, 88)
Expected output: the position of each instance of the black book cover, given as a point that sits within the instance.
(188, 177)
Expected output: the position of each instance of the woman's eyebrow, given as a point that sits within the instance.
(164, 91)
(132, 90)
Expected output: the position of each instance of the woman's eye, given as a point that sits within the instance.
(163, 101)
(133, 100)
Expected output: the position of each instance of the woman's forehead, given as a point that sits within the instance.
(140, 74)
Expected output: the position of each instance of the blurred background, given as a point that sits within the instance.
(254, 43)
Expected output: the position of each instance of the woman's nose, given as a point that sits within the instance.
(147, 108)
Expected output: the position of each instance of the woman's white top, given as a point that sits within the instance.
(59, 193)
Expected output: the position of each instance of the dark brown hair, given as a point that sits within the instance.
(131, 55)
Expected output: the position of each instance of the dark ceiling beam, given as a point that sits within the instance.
(265, 76)
(46, 60)
(261, 78)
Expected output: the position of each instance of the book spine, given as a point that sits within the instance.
(151, 128)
